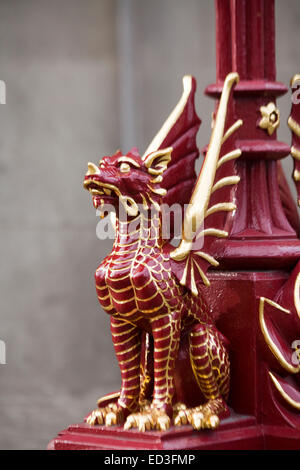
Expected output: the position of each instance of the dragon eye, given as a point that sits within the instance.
(124, 167)
(101, 164)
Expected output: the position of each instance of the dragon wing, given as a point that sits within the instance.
(179, 133)
(294, 124)
(212, 197)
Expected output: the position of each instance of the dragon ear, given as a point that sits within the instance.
(157, 162)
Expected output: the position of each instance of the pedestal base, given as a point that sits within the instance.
(236, 432)
(258, 420)
(239, 432)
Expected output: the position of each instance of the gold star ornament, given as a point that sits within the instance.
(270, 118)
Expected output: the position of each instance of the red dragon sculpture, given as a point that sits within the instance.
(174, 362)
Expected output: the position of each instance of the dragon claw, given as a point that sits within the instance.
(148, 420)
(144, 423)
(91, 420)
(96, 417)
(201, 417)
(110, 419)
(130, 422)
(111, 415)
(163, 422)
(211, 422)
(197, 420)
(181, 418)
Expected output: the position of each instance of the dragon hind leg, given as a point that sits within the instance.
(210, 363)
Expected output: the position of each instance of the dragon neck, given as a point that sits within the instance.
(144, 229)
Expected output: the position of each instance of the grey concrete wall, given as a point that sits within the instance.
(83, 77)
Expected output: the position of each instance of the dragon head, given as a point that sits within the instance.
(127, 181)
(165, 174)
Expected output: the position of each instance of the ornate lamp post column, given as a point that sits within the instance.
(261, 234)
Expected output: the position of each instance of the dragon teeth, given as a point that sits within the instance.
(95, 192)
(101, 210)
(100, 191)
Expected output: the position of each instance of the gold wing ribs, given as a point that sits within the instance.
(212, 178)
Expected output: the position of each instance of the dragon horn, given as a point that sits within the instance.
(199, 202)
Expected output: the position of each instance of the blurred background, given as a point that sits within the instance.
(83, 78)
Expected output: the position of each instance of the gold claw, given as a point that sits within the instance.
(91, 420)
(96, 417)
(109, 415)
(197, 420)
(144, 423)
(130, 422)
(181, 419)
(212, 422)
(163, 423)
(110, 419)
(147, 420)
(200, 417)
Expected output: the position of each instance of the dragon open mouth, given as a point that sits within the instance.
(97, 188)
(102, 193)
(106, 193)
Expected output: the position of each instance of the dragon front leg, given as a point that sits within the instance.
(166, 335)
(127, 344)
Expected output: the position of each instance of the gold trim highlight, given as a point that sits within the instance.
(294, 126)
(226, 181)
(129, 160)
(296, 78)
(232, 129)
(222, 206)
(229, 156)
(296, 175)
(293, 403)
(297, 295)
(207, 257)
(270, 118)
(195, 213)
(161, 158)
(92, 169)
(272, 346)
(171, 120)
(111, 396)
(295, 153)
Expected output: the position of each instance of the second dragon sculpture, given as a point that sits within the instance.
(174, 362)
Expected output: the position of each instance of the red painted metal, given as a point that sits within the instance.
(246, 44)
(258, 263)
(258, 419)
(295, 116)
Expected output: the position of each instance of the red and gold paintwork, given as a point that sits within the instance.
(195, 345)
(150, 288)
